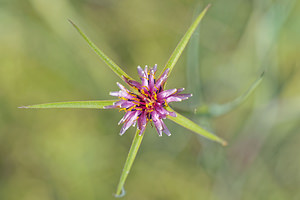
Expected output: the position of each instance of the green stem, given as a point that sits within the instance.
(129, 161)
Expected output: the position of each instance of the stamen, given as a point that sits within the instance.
(122, 109)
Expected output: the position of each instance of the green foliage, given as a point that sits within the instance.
(111, 64)
(74, 104)
(185, 122)
(183, 42)
(78, 154)
(136, 142)
(101, 104)
(216, 110)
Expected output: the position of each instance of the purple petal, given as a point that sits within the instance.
(127, 104)
(183, 96)
(151, 80)
(135, 84)
(172, 114)
(115, 93)
(180, 90)
(142, 122)
(125, 94)
(142, 130)
(157, 122)
(178, 97)
(165, 129)
(160, 81)
(141, 72)
(115, 105)
(118, 103)
(125, 117)
(166, 93)
(173, 98)
(145, 82)
(162, 112)
(158, 127)
(121, 87)
(132, 83)
(134, 123)
(144, 76)
(130, 120)
(146, 69)
(110, 107)
(155, 67)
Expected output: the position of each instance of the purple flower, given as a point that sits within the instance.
(148, 102)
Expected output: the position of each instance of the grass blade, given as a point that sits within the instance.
(183, 42)
(111, 64)
(216, 110)
(187, 123)
(74, 104)
(129, 161)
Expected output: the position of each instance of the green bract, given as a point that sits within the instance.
(179, 119)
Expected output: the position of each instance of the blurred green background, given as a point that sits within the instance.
(78, 154)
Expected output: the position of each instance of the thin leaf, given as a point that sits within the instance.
(183, 42)
(187, 123)
(74, 104)
(111, 64)
(129, 161)
(216, 110)
(193, 68)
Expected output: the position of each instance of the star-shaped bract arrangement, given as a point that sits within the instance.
(148, 100)
(149, 103)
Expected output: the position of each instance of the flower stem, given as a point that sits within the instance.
(137, 140)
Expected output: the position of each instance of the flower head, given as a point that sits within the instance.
(148, 102)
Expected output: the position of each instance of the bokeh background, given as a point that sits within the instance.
(78, 154)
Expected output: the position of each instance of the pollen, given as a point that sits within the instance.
(149, 103)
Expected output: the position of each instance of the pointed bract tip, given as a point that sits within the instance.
(208, 6)
(123, 193)
(71, 22)
(23, 107)
(224, 143)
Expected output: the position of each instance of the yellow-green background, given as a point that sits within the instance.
(78, 154)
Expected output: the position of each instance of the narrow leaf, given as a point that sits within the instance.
(183, 42)
(187, 123)
(74, 104)
(100, 53)
(193, 67)
(216, 110)
(129, 161)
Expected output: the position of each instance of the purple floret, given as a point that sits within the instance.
(149, 103)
